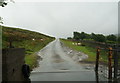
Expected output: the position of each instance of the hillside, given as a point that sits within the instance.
(30, 40)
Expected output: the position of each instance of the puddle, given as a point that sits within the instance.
(58, 61)
(64, 69)
(57, 58)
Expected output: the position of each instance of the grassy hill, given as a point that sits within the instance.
(30, 40)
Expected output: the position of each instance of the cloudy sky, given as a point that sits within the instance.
(60, 19)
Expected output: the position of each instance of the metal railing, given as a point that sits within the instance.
(109, 68)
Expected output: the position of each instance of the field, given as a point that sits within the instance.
(85, 48)
(31, 41)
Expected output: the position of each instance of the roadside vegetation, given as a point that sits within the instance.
(31, 41)
(90, 51)
(88, 43)
(109, 39)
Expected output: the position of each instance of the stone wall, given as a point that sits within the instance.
(12, 61)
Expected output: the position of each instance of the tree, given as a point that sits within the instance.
(119, 39)
(87, 36)
(99, 38)
(76, 35)
(82, 35)
(3, 3)
(93, 36)
(111, 37)
(69, 37)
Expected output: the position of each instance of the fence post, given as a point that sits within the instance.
(115, 62)
(97, 77)
(110, 63)
(97, 59)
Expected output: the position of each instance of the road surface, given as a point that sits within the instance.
(58, 66)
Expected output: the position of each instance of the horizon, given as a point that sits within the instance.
(60, 19)
(54, 36)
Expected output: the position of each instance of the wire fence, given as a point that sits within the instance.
(108, 63)
(116, 59)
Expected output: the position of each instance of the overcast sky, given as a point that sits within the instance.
(60, 19)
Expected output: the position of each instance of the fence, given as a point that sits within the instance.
(109, 67)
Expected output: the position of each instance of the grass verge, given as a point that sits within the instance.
(31, 56)
(30, 40)
(90, 51)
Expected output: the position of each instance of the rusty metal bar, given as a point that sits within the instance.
(97, 77)
(110, 63)
(97, 59)
(115, 62)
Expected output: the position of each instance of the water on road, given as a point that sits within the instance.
(58, 66)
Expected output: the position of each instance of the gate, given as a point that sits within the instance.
(117, 62)
(109, 68)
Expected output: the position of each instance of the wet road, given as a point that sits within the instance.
(58, 66)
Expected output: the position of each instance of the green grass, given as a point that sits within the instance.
(31, 56)
(31, 60)
(90, 51)
(24, 39)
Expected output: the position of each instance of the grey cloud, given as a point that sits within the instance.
(61, 19)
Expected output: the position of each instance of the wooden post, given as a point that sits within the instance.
(97, 59)
(110, 64)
